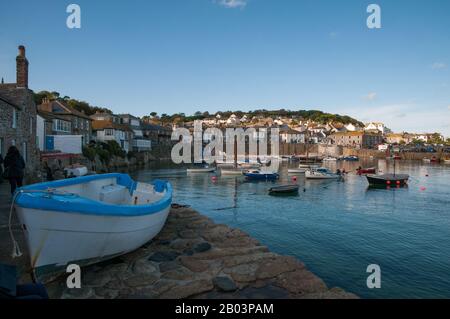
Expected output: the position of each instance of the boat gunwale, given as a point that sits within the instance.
(59, 203)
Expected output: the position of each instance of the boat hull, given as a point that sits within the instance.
(284, 190)
(318, 175)
(387, 180)
(261, 177)
(297, 170)
(201, 170)
(56, 239)
(231, 172)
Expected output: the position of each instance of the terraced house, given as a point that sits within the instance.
(357, 139)
(18, 115)
(65, 120)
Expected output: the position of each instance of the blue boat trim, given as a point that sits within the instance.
(73, 203)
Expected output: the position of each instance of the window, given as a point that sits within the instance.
(31, 125)
(15, 118)
(61, 126)
(109, 132)
(2, 145)
(24, 151)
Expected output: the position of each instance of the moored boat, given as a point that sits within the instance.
(284, 190)
(231, 172)
(88, 219)
(330, 159)
(351, 158)
(388, 180)
(321, 173)
(76, 171)
(301, 169)
(433, 159)
(201, 170)
(446, 161)
(261, 175)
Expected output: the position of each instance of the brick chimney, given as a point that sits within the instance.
(22, 68)
(46, 105)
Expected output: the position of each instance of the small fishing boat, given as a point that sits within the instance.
(321, 173)
(351, 158)
(433, 159)
(261, 175)
(302, 168)
(388, 180)
(284, 190)
(200, 170)
(249, 165)
(76, 170)
(88, 219)
(363, 171)
(231, 172)
(330, 159)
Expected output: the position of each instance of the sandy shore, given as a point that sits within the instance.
(193, 257)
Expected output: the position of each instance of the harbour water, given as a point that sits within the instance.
(339, 228)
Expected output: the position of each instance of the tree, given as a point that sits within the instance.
(153, 114)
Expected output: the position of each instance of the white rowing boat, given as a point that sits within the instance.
(321, 173)
(88, 219)
(201, 170)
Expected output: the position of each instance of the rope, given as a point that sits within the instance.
(16, 249)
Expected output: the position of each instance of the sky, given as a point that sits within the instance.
(171, 56)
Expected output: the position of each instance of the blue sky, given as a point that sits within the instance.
(186, 55)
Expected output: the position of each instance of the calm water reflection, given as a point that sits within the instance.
(339, 228)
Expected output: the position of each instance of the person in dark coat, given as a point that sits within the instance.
(14, 168)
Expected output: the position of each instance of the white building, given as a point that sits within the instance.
(377, 126)
(233, 120)
(104, 131)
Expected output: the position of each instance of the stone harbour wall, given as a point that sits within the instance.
(193, 257)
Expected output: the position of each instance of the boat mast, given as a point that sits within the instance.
(235, 152)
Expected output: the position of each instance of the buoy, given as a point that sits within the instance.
(426, 175)
(294, 178)
(214, 178)
(423, 188)
(388, 182)
(398, 182)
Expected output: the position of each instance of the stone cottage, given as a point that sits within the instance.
(18, 116)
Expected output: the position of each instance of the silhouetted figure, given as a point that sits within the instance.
(14, 168)
(48, 172)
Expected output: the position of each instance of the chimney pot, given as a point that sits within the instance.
(21, 51)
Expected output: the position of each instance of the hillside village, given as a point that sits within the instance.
(44, 124)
